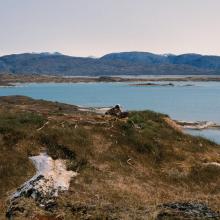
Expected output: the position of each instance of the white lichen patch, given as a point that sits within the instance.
(51, 177)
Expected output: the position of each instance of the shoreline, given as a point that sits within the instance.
(10, 79)
(198, 125)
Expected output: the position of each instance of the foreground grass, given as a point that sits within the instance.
(127, 166)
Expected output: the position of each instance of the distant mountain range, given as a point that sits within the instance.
(124, 63)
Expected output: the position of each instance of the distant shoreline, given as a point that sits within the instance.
(11, 80)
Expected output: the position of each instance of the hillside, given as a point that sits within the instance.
(125, 63)
(139, 166)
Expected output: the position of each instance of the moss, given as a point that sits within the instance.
(141, 132)
(11, 120)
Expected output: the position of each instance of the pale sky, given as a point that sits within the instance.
(97, 27)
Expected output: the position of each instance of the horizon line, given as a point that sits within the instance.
(114, 52)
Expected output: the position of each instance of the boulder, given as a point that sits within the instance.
(117, 112)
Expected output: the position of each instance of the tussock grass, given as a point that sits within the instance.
(68, 136)
(204, 174)
(15, 167)
(68, 143)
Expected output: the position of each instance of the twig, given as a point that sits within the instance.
(128, 162)
(43, 126)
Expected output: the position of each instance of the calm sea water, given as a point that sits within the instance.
(198, 102)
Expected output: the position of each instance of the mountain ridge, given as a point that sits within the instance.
(121, 63)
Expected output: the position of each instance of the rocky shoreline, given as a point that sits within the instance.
(11, 79)
(198, 125)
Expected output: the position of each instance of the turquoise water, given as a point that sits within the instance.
(212, 134)
(198, 102)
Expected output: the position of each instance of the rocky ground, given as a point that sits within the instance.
(121, 165)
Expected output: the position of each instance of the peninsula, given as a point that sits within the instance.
(114, 166)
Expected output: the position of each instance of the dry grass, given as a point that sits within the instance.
(127, 167)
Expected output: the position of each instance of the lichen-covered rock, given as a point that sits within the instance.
(187, 210)
(51, 178)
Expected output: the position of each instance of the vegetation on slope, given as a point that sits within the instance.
(127, 167)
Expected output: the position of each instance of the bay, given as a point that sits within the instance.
(189, 101)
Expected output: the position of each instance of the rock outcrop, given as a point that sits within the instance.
(187, 210)
(51, 178)
(117, 112)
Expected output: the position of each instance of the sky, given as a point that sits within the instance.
(98, 27)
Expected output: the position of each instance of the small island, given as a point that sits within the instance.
(153, 84)
(13, 79)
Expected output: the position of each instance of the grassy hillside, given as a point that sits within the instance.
(127, 167)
